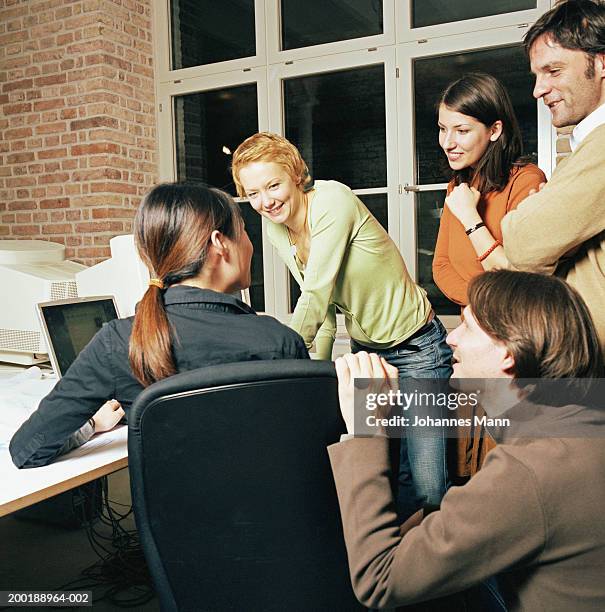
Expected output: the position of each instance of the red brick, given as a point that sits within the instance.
(93, 227)
(13, 109)
(55, 203)
(112, 213)
(113, 188)
(52, 153)
(57, 228)
(73, 215)
(96, 252)
(44, 105)
(26, 230)
(68, 113)
(14, 85)
(54, 190)
(51, 128)
(93, 122)
(51, 79)
(92, 149)
(19, 158)
(17, 133)
(64, 39)
(59, 177)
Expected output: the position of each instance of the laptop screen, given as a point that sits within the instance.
(71, 324)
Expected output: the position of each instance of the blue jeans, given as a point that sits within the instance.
(423, 477)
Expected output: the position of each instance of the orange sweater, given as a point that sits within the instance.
(455, 262)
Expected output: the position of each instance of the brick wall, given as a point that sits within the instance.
(77, 120)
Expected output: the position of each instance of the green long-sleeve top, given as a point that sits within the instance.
(354, 267)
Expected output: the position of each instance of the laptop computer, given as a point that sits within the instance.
(69, 325)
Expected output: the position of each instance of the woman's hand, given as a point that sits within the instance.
(365, 366)
(462, 202)
(108, 416)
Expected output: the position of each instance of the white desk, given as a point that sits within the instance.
(104, 454)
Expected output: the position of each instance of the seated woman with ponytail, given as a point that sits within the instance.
(193, 241)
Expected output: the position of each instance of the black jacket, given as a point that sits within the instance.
(209, 328)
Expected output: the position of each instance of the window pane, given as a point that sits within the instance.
(429, 205)
(315, 22)
(337, 120)
(432, 75)
(208, 127)
(206, 31)
(377, 205)
(432, 12)
(253, 223)
(294, 292)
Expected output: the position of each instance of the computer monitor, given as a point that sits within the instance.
(69, 325)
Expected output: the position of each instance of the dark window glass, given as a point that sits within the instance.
(294, 292)
(432, 12)
(253, 224)
(315, 22)
(337, 120)
(429, 205)
(207, 31)
(433, 74)
(208, 127)
(376, 203)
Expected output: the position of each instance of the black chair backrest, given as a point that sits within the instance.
(232, 488)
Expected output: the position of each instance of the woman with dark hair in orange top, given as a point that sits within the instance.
(479, 133)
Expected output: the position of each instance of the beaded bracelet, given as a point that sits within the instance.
(489, 251)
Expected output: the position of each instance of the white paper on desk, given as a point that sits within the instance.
(6, 433)
(19, 397)
(99, 441)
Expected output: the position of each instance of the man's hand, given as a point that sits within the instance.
(108, 416)
(462, 202)
(366, 366)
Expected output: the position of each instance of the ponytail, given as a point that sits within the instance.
(150, 346)
(173, 226)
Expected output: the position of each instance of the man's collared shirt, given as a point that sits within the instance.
(587, 125)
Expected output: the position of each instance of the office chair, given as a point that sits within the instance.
(232, 488)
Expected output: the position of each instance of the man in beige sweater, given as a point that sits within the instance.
(533, 515)
(560, 230)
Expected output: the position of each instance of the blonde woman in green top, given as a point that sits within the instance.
(344, 261)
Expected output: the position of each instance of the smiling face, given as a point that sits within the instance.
(463, 138)
(476, 354)
(271, 190)
(570, 82)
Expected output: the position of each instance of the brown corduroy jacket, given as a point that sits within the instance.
(533, 515)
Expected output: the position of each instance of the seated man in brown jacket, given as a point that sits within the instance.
(533, 515)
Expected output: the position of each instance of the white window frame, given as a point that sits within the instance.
(405, 32)
(163, 60)
(277, 55)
